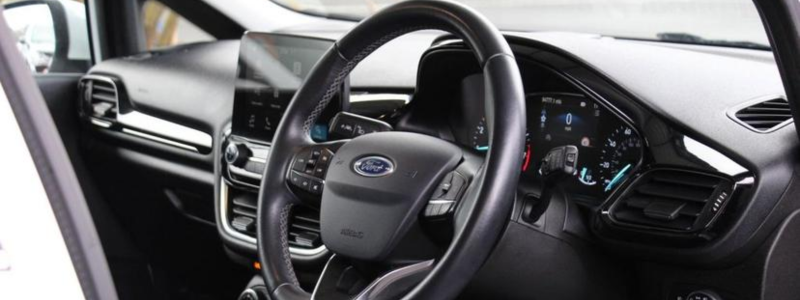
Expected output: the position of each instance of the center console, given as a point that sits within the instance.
(271, 69)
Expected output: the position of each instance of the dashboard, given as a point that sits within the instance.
(650, 122)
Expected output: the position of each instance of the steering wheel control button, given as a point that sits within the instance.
(325, 157)
(299, 180)
(450, 188)
(309, 168)
(315, 186)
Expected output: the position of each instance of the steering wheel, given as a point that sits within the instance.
(378, 186)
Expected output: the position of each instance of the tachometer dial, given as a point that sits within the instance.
(619, 155)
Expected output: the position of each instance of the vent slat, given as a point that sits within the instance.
(688, 193)
(244, 212)
(248, 202)
(687, 179)
(104, 97)
(307, 219)
(306, 227)
(748, 116)
(765, 116)
(105, 88)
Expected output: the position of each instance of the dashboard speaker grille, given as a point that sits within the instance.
(765, 116)
(673, 200)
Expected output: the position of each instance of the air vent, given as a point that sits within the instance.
(304, 230)
(672, 200)
(243, 214)
(764, 115)
(99, 97)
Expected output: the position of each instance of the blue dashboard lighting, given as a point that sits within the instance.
(617, 178)
(482, 148)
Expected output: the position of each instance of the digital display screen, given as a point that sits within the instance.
(271, 69)
(608, 149)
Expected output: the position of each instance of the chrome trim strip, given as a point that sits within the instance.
(172, 133)
(223, 214)
(714, 158)
(165, 128)
(101, 123)
(257, 159)
(380, 97)
(242, 172)
(158, 139)
(441, 201)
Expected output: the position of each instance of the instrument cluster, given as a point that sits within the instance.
(609, 148)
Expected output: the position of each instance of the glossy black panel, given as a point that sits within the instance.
(271, 68)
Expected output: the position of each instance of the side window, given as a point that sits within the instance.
(52, 36)
(164, 27)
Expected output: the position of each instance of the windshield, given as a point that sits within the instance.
(714, 22)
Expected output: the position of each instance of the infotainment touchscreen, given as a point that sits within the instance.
(271, 68)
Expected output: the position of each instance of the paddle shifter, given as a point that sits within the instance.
(559, 163)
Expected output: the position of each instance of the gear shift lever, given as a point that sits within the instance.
(559, 163)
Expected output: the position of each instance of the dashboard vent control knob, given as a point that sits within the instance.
(236, 154)
(249, 294)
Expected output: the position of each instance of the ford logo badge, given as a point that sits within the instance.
(373, 166)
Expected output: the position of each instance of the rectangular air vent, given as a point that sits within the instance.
(99, 97)
(764, 115)
(304, 229)
(673, 200)
(244, 209)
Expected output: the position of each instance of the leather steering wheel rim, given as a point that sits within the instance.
(481, 220)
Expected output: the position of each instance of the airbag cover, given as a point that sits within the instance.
(366, 212)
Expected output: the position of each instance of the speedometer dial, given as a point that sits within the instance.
(619, 155)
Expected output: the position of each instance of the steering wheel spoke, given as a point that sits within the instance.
(344, 278)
